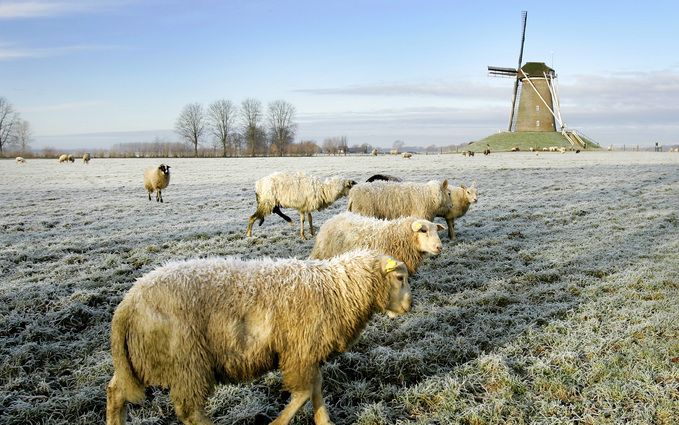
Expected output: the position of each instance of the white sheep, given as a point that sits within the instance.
(298, 190)
(390, 200)
(461, 198)
(407, 155)
(190, 325)
(86, 158)
(407, 239)
(157, 179)
(20, 160)
(63, 158)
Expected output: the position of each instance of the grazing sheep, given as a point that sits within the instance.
(301, 191)
(407, 155)
(384, 177)
(190, 325)
(374, 152)
(86, 158)
(406, 239)
(390, 200)
(515, 149)
(562, 150)
(157, 179)
(462, 197)
(486, 151)
(20, 160)
(63, 158)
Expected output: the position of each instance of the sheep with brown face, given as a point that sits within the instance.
(156, 179)
(189, 325)
(461, 198)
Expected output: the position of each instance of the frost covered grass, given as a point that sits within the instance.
(557, 303)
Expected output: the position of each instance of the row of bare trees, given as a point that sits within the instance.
(245, 130)
(14, 131)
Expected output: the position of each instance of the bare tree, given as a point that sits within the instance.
(8, 123)
(251, 113)
(398, 145)
(191, 125)
(281, 126)
(24, 135)
(221, 117)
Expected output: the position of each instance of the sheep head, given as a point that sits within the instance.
(396, 274)
(426, 236)
(470, 193)
(164, 168)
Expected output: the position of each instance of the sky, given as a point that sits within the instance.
(89, 74)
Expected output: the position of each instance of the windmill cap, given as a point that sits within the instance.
(537, 69)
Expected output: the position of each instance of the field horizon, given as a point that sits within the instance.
(558, 303)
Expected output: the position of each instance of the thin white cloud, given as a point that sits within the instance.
(66, 106)
(49, 8)
(9, 52)
(436, 89)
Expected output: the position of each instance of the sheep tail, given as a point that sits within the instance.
(129, 382)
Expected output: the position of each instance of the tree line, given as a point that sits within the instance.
(242, 130)
(14, 131)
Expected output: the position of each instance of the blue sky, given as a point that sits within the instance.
(93, 73)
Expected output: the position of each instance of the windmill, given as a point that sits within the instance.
(535, 100)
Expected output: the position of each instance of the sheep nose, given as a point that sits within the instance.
(439, 249)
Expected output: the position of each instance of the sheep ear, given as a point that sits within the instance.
(463, 186)
(388, 264)
(440, 227)
(444, 185)
(416, 225)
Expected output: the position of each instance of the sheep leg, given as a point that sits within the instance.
(149, 195)
(115, 403)
(159, 196)
(297, 400)
(188, 408)
(301, 225)
(320, 411)
(311, 224)
(278, 211)
(451, 228)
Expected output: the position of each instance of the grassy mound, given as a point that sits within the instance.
(506, 140)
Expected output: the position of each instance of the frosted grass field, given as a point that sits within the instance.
(558, 303)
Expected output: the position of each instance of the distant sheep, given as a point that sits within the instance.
(20, 160)
(462, 197)
(486, 151)
(407, 155)
(298, 190)
(63, 158)
(190, 325)
(407, 239)
(374, 152)
(384, 177)
(86, 158)
(391, 200)
(468, 153)
(156, 179)
(515, 149)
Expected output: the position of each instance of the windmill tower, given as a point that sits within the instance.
(535, 101)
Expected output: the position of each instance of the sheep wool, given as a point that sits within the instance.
(390, 199)
(156, 179)
(407, 239)
(300, 191)
(191, 324)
